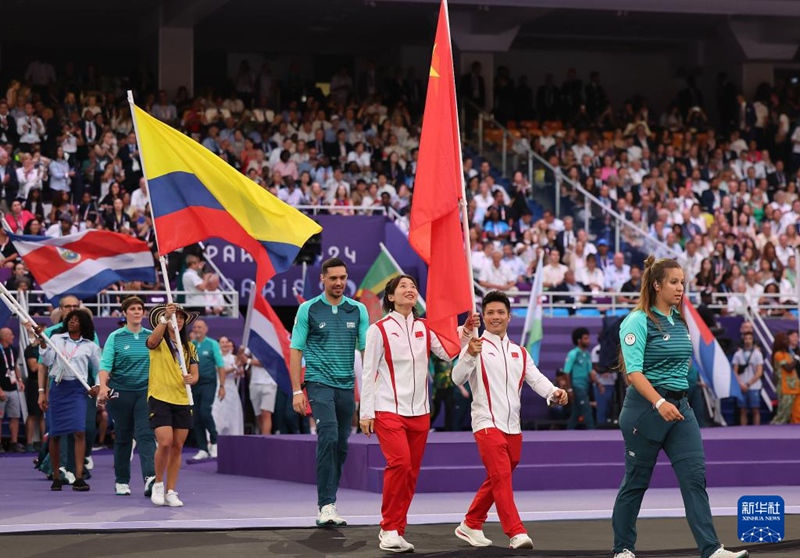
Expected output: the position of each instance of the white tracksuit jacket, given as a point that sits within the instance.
(496, 377)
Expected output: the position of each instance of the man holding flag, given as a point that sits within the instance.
(328, 329)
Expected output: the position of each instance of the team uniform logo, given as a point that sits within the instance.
(68, 255)
(630, 339)
(666, 337)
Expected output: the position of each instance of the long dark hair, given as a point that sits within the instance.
(85, 321)
(391, 287)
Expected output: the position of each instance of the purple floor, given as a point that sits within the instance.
(551, 460)
(216, 501)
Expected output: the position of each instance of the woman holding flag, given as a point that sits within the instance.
(167, 397)
(656, 353)
(66, 396)
(395, 403)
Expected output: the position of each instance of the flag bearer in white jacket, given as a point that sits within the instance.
(395, 400)
(496, 368)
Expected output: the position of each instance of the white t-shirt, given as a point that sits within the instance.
(194, 296)
(747, 360)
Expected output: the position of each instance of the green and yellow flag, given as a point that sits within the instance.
(370, 292)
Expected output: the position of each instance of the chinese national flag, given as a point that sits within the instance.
(435, 232)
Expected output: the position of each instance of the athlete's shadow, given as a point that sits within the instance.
(328, 541)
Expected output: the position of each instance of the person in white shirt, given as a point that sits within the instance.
(498, 275)
(30, 128)
(553, 272)
(194, 284)
(394, 400)
(617, 274)
(748, 365)
(495, 368)
(139, 199)
(753, 291)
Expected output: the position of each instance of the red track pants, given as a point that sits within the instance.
(500, 453)
(402, 442)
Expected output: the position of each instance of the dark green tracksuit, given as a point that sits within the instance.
(662, 351)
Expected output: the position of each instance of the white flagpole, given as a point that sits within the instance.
(248, 318)
(420, 300)
(162, 258)
(532, 302)
(7, 298)
(459, 163)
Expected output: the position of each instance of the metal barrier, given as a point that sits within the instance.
(106, 303)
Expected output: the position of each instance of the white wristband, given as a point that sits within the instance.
(659, 402)
(162, 320)
(298, 392)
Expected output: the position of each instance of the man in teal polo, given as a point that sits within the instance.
(578, 368)
(212, 374)
(125, 367)
(327, 332)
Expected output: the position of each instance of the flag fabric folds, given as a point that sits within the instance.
(708, 356)
(196, 195)
(268, 340)
(532, 330)
(435, 231)
(370, 292)
(85, 263)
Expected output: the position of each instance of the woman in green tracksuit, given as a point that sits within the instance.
(656, 353)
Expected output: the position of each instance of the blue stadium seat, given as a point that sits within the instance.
(557, 312)
(618, 312)
(588, 312)
(519, 312)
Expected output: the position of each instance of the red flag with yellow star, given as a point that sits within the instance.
(436, 232)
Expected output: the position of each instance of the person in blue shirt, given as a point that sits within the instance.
(579, 370)
(328, 330)
(212, 374)
(656, 351)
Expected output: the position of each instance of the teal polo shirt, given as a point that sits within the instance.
(579, 367)
(209, 357)
(329, 336)
(661, 349)
(127, 359)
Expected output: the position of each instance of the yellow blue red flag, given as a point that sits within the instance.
(196, 195)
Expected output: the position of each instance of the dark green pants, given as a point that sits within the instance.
(203, 395)
(130, 415)
(646, 434)
(333, 410)
(581, 405)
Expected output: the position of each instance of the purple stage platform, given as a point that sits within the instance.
(551, 460)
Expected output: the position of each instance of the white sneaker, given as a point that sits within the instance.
(475, 537)
(212, 450)
(172, 500)
(68, 476)
(89, 463)
(521, 541)
(329, 516)
(625, 554)
(200, 455)
(122, 489)
(157, 497)
(393, 542)
(722, 553)
(148, 486)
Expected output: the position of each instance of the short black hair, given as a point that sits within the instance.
(577, 333)
(332, 262)
(496, 296)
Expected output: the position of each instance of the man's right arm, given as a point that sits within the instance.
(298, 345)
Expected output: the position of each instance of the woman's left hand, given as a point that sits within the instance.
(221, 393)
(367, 426)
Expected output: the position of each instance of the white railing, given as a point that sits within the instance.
(108, 301)
(337, 210)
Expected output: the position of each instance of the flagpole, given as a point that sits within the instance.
(249, 316)
(420, 300)
(460, 163)
(531, 302)
(162, 258)
(22, 314)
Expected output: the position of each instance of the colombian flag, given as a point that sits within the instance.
(196, 195)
